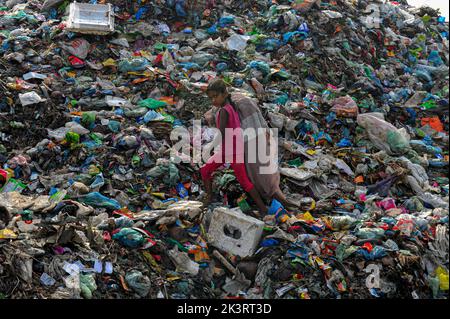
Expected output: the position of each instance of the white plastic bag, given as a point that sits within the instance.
(384, 135)
(237, 42)
(78, 47)
(332, 14)
(77, 128)
(121, 41)
(277, 119)
(115, 101)
(183, 263)
(30, 98)
(59, 134)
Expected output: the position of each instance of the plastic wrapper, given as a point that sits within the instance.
(345, 106)
(30, 98)
(78, 47)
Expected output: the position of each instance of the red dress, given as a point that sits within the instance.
(233, 152)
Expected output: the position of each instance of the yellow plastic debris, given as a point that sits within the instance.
(9, 234)
(443, 278)
(307, 217)
(109, 62)
(94, 170)
(71, 74)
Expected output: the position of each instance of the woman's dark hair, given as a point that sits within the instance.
(217, 86)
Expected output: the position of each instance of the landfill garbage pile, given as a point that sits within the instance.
(92, 205)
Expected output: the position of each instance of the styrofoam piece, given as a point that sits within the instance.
(90, 18)
(244, 232)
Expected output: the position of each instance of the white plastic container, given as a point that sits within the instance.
(90, 18)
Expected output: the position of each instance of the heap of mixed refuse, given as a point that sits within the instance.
(93, 204)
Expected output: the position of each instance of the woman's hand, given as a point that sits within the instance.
(209, 116)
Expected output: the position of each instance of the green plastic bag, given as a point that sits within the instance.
(136, 160)
(296, 162)
(343, 252)
(169, 172)
(87, 285)
(430, 104)
(152, 104)
(88, 119)
(283, 75)
(397, 142)
(433, 282)
(58, 196)
(243, 204)
(73, 138)
(96, 138)
(139, 283)
(160, 47)
(13, 185)
(168, 118)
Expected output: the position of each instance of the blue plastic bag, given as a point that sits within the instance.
(114, 126)
(123, 221)
(119, 112)
(129, 237)
(182, 191)
(141, 12)
(330, 117)
(274, 207)
(270, 242)
(435, 58)
(133, 65)
(97, 200)
(304, 28)
(222, 66)
(269, 45)
(152, 116)
(179, 8)
(344, 143)
(300, 252)
(189, 66)
(212, 29)
(225, 21)
(99, 181)
(287, 37)
(260, 66)
(377, 253)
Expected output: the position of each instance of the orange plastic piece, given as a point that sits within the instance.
(434, 122)
(359, 179)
